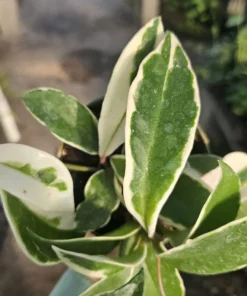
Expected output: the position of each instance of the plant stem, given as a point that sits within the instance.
(160, 277)
(103, 160)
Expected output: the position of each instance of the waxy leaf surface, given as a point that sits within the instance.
(222, 205)
(200, 164)
(161, 278)
(220, 208)
(222, 250)
(96, 245)
(101, 200)
(21, 220)
(162, 115)
(134, 287)
(40, 180)
(101, 266)
(111, 283)
(112, 118)
(238, 162)
(185, 203)
(67, 119)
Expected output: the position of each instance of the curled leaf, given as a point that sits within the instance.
(40, 180)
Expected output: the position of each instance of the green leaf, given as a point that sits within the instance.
(219, 251)
(65, 117)
(112, 118)
(222, 205)
(185, 203)
(134, 287)
(161, 120)
(97, 245)
(118, 165)
(200, 164)
(160, 278)
(21, 218)
(41, 181)
(127, 246)
(238, 162)
(100, 201)
(183, 207)
(101, 266)
(111, 283)
(220, 208)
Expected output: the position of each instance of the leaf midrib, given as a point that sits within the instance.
(153, 134)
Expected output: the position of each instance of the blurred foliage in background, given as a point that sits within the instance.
(200, 16)
(225, 58)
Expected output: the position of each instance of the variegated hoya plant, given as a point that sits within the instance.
(129, 173)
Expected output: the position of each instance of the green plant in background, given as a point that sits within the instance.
(227, 69)
(227, 56)
(179, 209)
(201, 16)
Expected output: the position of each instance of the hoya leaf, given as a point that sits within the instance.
(238, 162)
(127, 246)
(200, 164)
(185, 203)
(111, 283)
(222, 250)
(40, 180)
(101, 266)
(118, 165)
(96, 245)
(100, 201)
(162, 115)
(183, 207)
(160, 278)
(112, 118)
(134, 287)
(222, 205)
(21, 218)
(67, 119)
(220, 208)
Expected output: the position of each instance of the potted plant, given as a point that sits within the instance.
(179, 212)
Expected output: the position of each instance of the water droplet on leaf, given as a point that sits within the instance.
(169, 128)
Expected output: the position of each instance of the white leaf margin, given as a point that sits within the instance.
(131, 108)
(44, 200)
(97, 258)
(118, 87)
